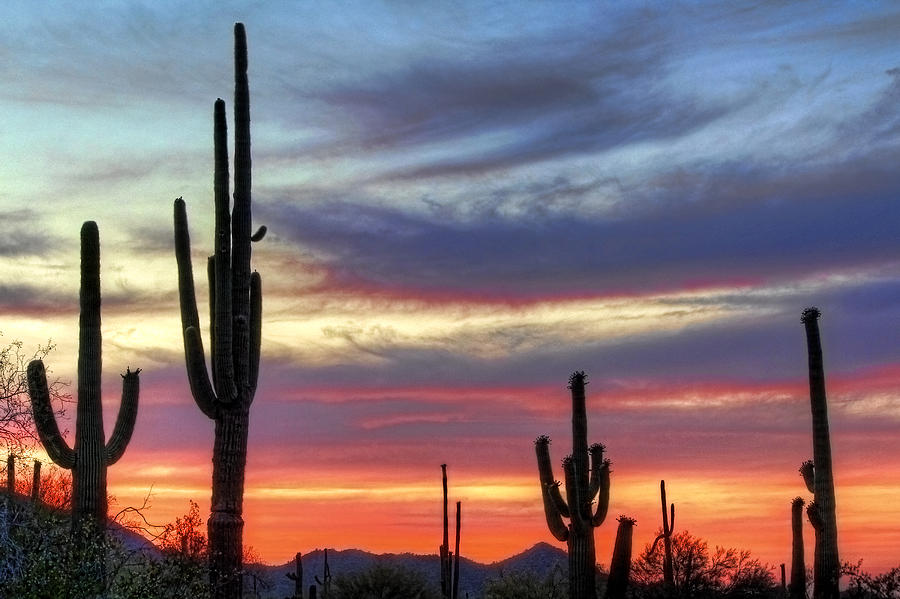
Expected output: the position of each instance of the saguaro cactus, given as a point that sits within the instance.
(798, 563)
(235, 319)
(818, 473)
(665, 536)
(586, 478)
(449, 559)
(620, 565)
(91, 454)
(325, 581)
(297, 576)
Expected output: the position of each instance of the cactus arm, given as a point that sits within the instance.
(549, 485)
(223, 353)
(596, 451)
(656, 541)
(44, 419)
(815, 516)
(201, 388)
(573, 497)
(211, 278)
(665, 517)
(672, 518)
(602, 495)
(126, 418)
(554, 506)
(255, 329)
(808, 471)
(555, 523)
(186, 296)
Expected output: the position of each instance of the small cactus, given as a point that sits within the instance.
(297, 576)
(620, 565)
(92, 454)
(798, 562)
(666, 537)
(586, 478)
(449, 559)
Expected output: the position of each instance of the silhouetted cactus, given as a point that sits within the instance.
(235, 323)
(325, 581)
(11, 474)
(798, 562)
(818, 473)
(668, 520)
(297, 576)
(586, 479)
(91, 454)
(36, 483)
(620, 565)
(449, 559)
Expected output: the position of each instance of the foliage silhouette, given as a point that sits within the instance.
(382, 581)
(701, 573)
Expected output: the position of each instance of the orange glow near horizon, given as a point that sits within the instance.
(503, 515)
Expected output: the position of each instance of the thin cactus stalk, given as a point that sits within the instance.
(449, 559)
(586, 479)
(312, 591)
(798, 562)
(620, 565)
(325, 581)
(818, 474)
(783, 582)
(456, 553)
(235, 323)
(11, 475)
(92, 454)
(668, 521)
(297, 576)
(36, 483)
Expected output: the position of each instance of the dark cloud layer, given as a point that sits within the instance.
(787, 231)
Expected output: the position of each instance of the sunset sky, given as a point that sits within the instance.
(465, 204)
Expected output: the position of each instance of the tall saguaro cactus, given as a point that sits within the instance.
(665, 536)
(586, 478)
(91, 454)
(235, 323)
(818, 473)
(798, 563)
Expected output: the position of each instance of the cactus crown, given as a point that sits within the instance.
(798, 501)
(577, 379)
(543, 439)
(627, 519)
(811, 314)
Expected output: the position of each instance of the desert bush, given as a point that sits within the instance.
(862, 585)
(383, 581)
(526, 585)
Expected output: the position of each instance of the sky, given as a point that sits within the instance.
(465, 204)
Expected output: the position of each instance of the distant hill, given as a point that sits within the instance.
(540, 559)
